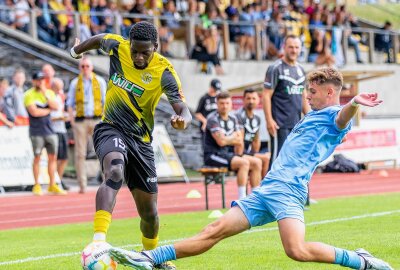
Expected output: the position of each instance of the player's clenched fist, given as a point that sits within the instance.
(178, 122)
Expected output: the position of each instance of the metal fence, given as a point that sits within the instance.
(189, 24)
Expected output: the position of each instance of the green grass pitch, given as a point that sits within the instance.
(371, 222)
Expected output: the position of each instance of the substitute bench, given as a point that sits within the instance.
(214, 175)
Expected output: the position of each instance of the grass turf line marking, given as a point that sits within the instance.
(70, 254)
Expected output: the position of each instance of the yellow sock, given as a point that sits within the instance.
(148, 243)
(102, 220)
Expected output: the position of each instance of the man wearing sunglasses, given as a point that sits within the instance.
(138, 77)
(85, 103)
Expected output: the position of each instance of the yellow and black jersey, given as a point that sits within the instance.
(133, 94)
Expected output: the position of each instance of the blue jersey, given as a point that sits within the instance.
(311, 141)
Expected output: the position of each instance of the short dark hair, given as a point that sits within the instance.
(248, 91)
(223, 95)
(143, 31)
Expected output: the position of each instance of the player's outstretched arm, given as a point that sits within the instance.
(350, 109)
(182, 118)
(89, 44)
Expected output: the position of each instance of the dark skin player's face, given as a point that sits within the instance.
(142, 53)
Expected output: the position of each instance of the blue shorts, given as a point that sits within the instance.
(272, 201)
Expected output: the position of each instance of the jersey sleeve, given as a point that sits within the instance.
(201, 105)
(213, 124)
(109, 42)
(171, 86)
(28, 99)
(238, 126)
(240, 120)
(271, 77)
(333, 115)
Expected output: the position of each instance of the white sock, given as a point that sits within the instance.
(99, 237)
(242, 192)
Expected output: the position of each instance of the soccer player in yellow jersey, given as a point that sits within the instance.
(138, 77)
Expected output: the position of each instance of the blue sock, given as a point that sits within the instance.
(162, 254)
(347, 258)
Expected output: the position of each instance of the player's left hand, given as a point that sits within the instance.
(367, 99)
(178, 122)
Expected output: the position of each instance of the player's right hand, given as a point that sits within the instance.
(272, 127)
(367, 99)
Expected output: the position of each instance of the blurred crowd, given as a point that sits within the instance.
(322, 27)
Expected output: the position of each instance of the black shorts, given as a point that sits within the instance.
(222, 159)
(140, 169)
(62, 153)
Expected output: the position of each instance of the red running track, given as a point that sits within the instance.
(26, 210)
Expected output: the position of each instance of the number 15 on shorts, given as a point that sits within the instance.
(118, 142)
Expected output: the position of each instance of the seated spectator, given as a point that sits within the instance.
(7, 15)
(166, 37)
(383, 41)
(247, 37)
(250, 124)
(47, 30)
(320, 52)
(172, 20)
(61, 21)
(15, 94)
(112, 16)
(275, 30)
(22, 17)
(222, 133)
(206, 49)
(6, 115)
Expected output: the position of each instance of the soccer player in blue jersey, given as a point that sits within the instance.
(283, 192)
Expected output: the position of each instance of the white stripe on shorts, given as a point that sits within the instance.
(219, 159)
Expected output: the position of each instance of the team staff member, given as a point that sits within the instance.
(138, 78)
(250, 123)
(208, 103)
(284, 97)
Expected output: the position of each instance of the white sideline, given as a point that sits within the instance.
(40, 258)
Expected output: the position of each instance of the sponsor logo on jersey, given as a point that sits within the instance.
(123, 83)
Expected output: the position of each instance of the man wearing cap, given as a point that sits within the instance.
(208, 103)
(39, 102)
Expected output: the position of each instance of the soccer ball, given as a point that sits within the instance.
(95, 257)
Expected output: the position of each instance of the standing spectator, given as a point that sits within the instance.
(208, 103)
(15, 94)
(250, 123)
(6, 116)
(22, 18)
(58, 119)
(284, 95)
(39, 102)
(383, 42)
(85, 107)
(48, 72)
(222, 133)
